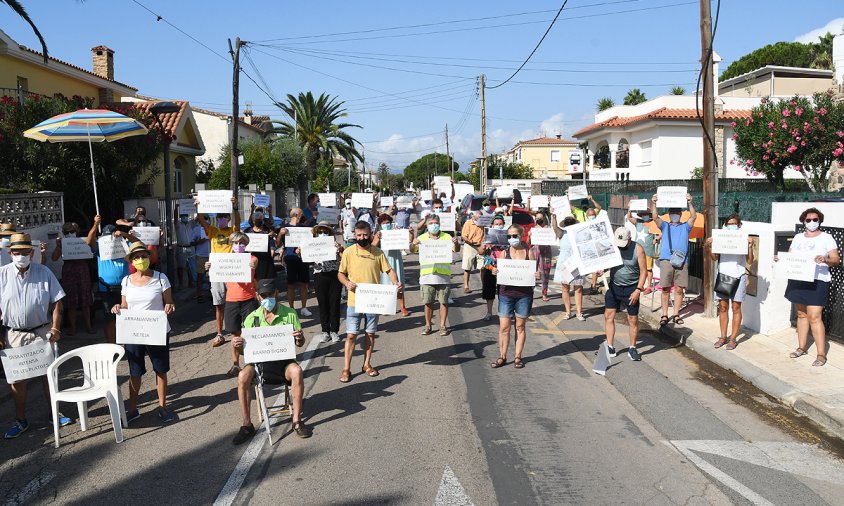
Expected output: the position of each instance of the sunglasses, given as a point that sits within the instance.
(809, 220)
(513, 236)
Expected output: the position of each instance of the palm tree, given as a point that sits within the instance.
(316, 129)
(678, 90)
(604, 104)
(20, 11)
(635, 96)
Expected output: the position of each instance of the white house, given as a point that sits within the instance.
(216, 129)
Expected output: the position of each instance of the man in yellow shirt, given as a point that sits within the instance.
(361, 263)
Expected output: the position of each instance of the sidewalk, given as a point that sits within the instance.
(816, 392)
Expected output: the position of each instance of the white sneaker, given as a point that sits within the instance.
(323, 337)
(450, 300)
(304, 312)
(581, 317)
(335, 337)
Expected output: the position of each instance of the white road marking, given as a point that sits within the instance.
(229, 493)
(30, 489)
(451, 492)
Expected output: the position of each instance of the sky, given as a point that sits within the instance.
(406, 69)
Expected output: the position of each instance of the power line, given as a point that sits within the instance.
(159, 17)
(403, 137)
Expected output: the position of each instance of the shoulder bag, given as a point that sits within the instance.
(726, 286)
(678, 258)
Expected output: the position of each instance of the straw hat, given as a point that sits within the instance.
(324, 227)
(20, 241)
(7, 229)
(134, 248)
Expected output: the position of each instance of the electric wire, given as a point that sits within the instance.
(705, 66)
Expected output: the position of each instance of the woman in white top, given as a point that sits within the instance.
(734, 266)
(149, 290)
(810, 297)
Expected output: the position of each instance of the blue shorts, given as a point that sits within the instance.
(520, 306)
(158, 355)
(354, 319)
(618, 297)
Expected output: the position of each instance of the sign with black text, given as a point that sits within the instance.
(75, 248)
(268, 344)
(30, 361)
(214, 201)
(136, 326)
(373, 298)
(230, 268)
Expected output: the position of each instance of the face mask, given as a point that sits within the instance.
(675, 218)
(811, 226)
(183, 219)
(268, 303)
(386, 226)
(487, 209)
(646, 219)
(141, 264)
(438, 210)
(322, 235)
(364, 242)
(223, 222)
(732, 227)
(540, 222)
(21, 261)
(514, 241)
(590, 218)
(348, 206)
(70, 234)
(434, 228)
(498, 227)
(239, 248)
(317, 206)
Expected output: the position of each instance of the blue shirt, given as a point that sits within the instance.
(403, 218)
(111, 272)
(679, 238)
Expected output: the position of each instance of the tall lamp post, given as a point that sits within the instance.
(156, 110)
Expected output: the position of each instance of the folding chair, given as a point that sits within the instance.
(285, 410)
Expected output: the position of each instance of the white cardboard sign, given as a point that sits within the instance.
(504, 192)
(214, 201)
(362, 200)
(543, 236)
(295, 236)
(30, 361)
(261, 200)
(329, 214)
(230, 268)
(386, 201)
(561, 206)
(730, 242)
(797, 267)
(442, 182)
(258, 243)
(447, 222)
(404, 202)
(538, 202)
(434, 252)
(136, 326)
(601, 175)
(508, 222)
(268, 344)
(639, 204)
(602, 360)
(593, 245)
(578, 192)
(148, 235)
(186, 206)
(516, 272)
(327, 199)
(112, 248)
(425, 195)
(373, 298)
(75, 248)
(395, 240)
(671, 196)
(318, 249)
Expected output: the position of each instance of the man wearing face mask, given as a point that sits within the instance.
(436, 208)
(582, 212)
(473, 238)
(435, 278)
(139, 219)
(674, 249)
(311, 212)
(349, 217)
(27, 292)
(184, 250)
(625, 288)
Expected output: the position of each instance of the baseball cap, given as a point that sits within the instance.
(266, 286)
(622, 237)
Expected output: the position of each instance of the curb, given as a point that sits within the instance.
(808, 405)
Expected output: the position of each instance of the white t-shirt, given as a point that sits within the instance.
(349, 220)
(149, 297)
(812, 247)
(732, 265)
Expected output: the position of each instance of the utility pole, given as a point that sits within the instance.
(710, 178)
(448, 154)
(235, 52)
(481, 86)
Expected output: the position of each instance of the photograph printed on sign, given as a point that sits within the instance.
(593, 245)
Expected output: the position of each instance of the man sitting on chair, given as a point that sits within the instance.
(270, 313)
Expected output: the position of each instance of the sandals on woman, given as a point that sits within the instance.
(369, 371)
(720, 342)
(517, 363)
(345, 376)
(799, 352)
(732, 345)
(499, 362)
(820, 360)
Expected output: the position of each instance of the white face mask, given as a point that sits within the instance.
(323, 235)
(811, 226)
(675, 218)
(731, 227)
(21, 261)
(70, 234)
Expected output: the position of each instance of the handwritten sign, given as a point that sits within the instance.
(112, 248)
(671, 196)
(539, 201)
(261, 200)
(327, 199)
(543, 236)
(578, 192)
(504, 192)
(268, 344)
(295, 236)
(729, 242)
(387, 201)
(508, 222)
(372, 298)
(329, 214)
(362, 200)
(148, 235)
(75, 248)
(392, 240)
(446, 202)
(516, 272)
(425, 195)
(485, 220)
(638, 204)
(447, 222)
(404, 202)
(602, 175)
(561, 206)
(230, 268)
(442, 182)
(136, 326)
(434, 252)
(214, 201)
(186, 206)
(259, 243)
(318, 249)
(30, 361)
(796, 266)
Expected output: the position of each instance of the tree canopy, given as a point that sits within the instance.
(279, 163)
(420, 171)
(787, 54)
(635, 96)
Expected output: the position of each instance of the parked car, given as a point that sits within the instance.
(524, 218)
(468, 205)
(517, 198)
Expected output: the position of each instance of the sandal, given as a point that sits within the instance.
(799, 352)
(567, 316)
(545, 298)
(370, 371)
(345, 376)
(732, 344)
(499, 362)
(720, 342)
(404, 312)
(428, 331)
(445, 331)
(820, 360)
(302, 430)
(517, 363)
(677, 320)
(663, 321)
(218, 341)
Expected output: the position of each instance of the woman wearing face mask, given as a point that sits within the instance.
(328, 289)
(146, 289)
(810, 297)
(76, 281)
(734, 266)
(394, 258)
(566, 278)
(543, 257)
(489, 249)
(513, 301)
(260, 224)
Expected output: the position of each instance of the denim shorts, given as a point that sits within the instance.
(158, 355)
(520, 306)
(354, 319)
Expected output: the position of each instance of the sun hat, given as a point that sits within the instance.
(134, 248)
(20, 240)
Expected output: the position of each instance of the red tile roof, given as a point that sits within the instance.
(169, 120)
(545, 141)
(75, 66)
(664, 114)
(255, 126)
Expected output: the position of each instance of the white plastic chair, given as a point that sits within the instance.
(99, 363)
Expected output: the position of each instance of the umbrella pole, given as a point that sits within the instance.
(93, 174)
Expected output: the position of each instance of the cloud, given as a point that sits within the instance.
(835, 26)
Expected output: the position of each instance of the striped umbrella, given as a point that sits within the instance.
(92, 125)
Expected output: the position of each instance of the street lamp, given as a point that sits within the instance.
(156, 110)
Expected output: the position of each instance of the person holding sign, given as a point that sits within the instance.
(31, 311)
(638, 224)
(110, 273)
(311, 212)
(436, 208)
(810, 297)
(513, 300)
(473, 238)
(625, 288)
(361, 263)
(270, 313)
(202, 251)
(394, 258)
(76, 280)
(543, 256)
(584, 211)
(149, 290)
(260, 224)
(435, 278)
(731, 284)
(566, 272)
(184, 249)
(328, 289)
(298, 272)
(489, 249)
(673, 265)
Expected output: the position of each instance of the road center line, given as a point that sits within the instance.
(230, 490)
(30, 489)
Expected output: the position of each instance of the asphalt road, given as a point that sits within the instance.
(438, 426)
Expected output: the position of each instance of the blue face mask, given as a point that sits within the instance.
(731, 227)
(386, 226)
(268, 303)
(514, 241)
(434, 228)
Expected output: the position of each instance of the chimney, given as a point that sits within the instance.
(103, 59)
(716, 59)
(247, 114)
(559, 136)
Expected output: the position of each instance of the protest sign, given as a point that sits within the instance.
(494, 236)
(425, 195)
(135, 326)
(485, 220)
(318, 249)
(258, 243)
(442, 183)
(729, 242)
(671, 196)
(395, 240)
(434, 252)
(327, 199)
(461, 190)
(578, 192)
(387, 201)
(75, 248)
(295, 236)
(638, 204)
(561, 206)
(538, 202)
(447, 222)
(372, 298)
(261, 200)
(602, 360)
(30, 361)
(329, 214)
(268, 344)
(230, 268)
(112, 248)
(148, 235)
(508, 221)
(504, 192)
(516, 272)
(602, 175)
(186, 206)
(797, 266)
(446, 202)
(214, 201)
(543, 236)
(593, 245)
(362, 200)
(404, 202)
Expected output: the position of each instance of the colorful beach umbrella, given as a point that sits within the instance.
(92, 125)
